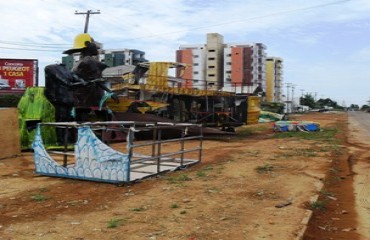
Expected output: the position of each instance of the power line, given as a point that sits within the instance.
(31, 49)
(49, 47)
(87, 13)
(247, 19)
(33, 44)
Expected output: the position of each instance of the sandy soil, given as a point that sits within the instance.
(223, 197)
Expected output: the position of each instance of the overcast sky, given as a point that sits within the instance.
(325, 44)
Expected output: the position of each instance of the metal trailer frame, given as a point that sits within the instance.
(95, 160)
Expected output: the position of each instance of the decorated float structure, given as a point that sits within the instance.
(94, 160)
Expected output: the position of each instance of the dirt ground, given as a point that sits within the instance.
(253, 186)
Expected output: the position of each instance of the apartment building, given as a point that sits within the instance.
(220, 66)
(274, 79)
(111, 58)
(205, 63)
(244, 67)
(195, 73)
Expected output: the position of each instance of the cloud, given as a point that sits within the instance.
(318, 40)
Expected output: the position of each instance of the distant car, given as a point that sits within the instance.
(4, 86)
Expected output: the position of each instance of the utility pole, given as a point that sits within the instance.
(287, 97)
(302, 90)
(87, 13)
(293, 87)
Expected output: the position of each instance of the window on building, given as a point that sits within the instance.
(211, 58)
(195, 72)
(211, 50)
(195, 56)
(211, 75)
(228, 63)
(195, 64)
(211, 66)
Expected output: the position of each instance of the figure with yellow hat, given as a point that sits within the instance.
(90, 69)
(80, 89)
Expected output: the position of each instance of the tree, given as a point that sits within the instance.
(365, 108)
(327, 102)
(354, 107)
(307, 100)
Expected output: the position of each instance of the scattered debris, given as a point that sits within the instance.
(344, 212)
(332, 198)
(348, 229)
(283, 204)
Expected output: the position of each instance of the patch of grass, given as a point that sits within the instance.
(306, 152)
(138, 209)
(264, 168)
(174, 205)
(208, 168)
(114, 222)
(245, 132)
(253, 153)
(298, 152)
(39, 198)
(337, 150)
(43, 189)
(178, 179)
(325, 149)
(286, 155)
(201, 174)
(326, 134)
(317, 205)
(334, 170)
(326, 193)
(213, 190)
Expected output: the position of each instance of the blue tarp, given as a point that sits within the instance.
(293, 126)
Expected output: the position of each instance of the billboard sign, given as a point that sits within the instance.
(19, 73)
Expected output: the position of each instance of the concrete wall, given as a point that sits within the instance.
(9, 133)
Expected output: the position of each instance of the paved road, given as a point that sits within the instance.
(359, 126)
(360, 121)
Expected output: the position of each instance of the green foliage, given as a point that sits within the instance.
(179, 178)
(365, 108)
(307, 100)
(113, 223)
(201, 174)
(174, 205)
(317, 205)
(327, 102)
(326, 193)
(354, 107)
(9, 100)
(326, 134)
(138, 209)
(274, 107)
(39, 198)
(265, 168)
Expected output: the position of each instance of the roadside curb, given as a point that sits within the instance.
(308, 214)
